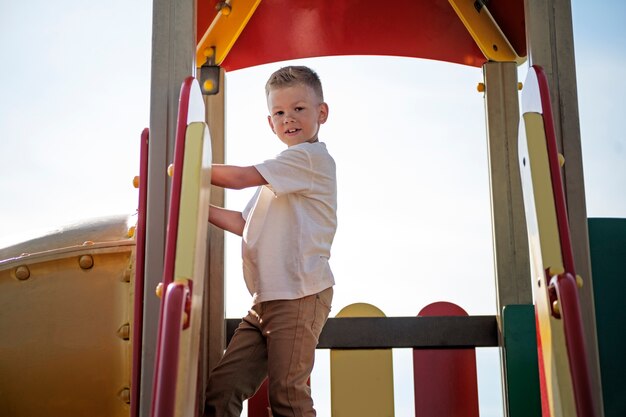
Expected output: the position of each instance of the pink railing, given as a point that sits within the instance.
(140, 256)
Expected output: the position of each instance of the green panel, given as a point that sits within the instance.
(607, 241)
(522, 374)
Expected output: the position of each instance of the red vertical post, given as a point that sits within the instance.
(445, 381)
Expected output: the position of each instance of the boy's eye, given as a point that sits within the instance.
(299, 108)
(279, 113)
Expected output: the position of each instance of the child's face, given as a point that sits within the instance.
(296, 114)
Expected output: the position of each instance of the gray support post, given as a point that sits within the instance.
(214, 325)
(550, 40)
(510, 238)
(173, 53)
(511, 257)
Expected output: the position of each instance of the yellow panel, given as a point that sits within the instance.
(191, 250)
(224, 30)
(361, 380)
(545, 252)
(542, 191)
(64, 349)
(485, 32)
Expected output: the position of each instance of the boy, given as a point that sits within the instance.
(287, 229)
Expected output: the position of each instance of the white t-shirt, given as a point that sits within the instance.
(291, 224)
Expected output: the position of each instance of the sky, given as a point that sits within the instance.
(408, 136)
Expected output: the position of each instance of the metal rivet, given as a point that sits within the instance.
(556, 308)
(85, 261)
(159, 290)
(22, 273)
(124, 332)
(124, 395)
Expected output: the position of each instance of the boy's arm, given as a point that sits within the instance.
(235, 177)
(227, 219)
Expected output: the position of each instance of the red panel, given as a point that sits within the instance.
(206, 12)
(259, 403)
(445, 381)
(510, 17)
(288, 29)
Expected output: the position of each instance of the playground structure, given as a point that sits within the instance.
(230, 36)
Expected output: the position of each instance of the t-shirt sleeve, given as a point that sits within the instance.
(290, 172)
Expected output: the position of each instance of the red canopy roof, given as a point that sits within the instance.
(288, 29)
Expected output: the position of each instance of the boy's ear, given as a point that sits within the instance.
(269, 120)
(323, 113)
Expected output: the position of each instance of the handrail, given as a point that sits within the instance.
(166, 373)
(567, 293)
(169, 258)
(140, 256)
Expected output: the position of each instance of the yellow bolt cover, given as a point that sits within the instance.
(520, 86)
(136, 181)
(170, 170)
(208, 85)
(579, 281)
(209, 52)
(159, 290)
(561, 159)
(480, 87)
(556, 308)
(225, 8)
(131, 231)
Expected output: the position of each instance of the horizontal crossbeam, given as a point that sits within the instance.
(456, 332)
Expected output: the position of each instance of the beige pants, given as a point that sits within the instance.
(276, 339)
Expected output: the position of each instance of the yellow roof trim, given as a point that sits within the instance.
(485, 32)
(224, 30)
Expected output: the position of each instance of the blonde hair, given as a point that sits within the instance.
(294, 75)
